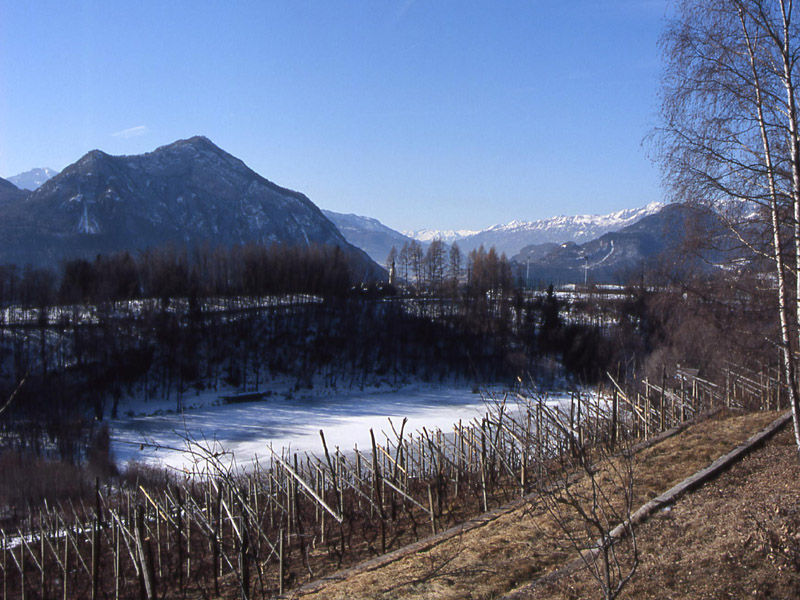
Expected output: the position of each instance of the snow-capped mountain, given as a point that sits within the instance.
(186, 193)
(33, 179)
(446, 235)
(616, 256)
(512, 237)
(372, 236)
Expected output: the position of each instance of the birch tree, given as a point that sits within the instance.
(729, 137)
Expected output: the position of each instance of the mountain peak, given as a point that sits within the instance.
(198, 144)
(95, 155)
(196, 141)
(189, 192)
(31, 180)
(512, 237)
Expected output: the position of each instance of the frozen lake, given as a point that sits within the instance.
(247, 429)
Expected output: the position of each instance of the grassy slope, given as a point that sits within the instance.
(736, 537)
(523, 544)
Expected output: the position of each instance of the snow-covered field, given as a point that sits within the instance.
(247, 429)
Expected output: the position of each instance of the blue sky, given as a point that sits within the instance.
(426, 113)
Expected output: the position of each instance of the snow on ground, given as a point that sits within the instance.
(247, 429)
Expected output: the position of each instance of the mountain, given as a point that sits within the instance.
(9, 192)
(372, 236)
(33, 179)
(446, 235)
(514, 236)
(613, 256)
(187, 192)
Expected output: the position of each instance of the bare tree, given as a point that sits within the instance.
(455, 267)
(729, 137)
(415, 257)
(435, 265)
(589, 493)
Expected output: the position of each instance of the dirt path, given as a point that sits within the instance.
(522, 544)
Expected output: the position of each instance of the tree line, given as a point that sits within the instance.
(170, 271)
(172, 323)
(440, 269)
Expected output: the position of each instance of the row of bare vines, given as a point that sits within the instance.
(219, 530)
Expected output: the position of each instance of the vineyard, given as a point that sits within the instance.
(217, 530)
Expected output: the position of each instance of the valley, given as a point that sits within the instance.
(212, 343)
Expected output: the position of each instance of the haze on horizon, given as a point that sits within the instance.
(420, 114)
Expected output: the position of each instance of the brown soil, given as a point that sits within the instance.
(523, 544)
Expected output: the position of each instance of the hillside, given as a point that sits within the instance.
(186, 193)
(660, 237)
(512, 237)
(696, 550)
(10, 193)
(372, 236)
(510, 547)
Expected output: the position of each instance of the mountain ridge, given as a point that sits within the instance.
(33, 179)
(185, 192)
(615, 255)
(10, 192)
(513, 236)
(369, 234)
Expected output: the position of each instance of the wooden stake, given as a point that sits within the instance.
(280, 564)
(433, 513)
(145, 558)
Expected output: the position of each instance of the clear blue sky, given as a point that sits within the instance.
(426, 113)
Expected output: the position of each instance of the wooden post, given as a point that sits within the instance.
(42, 561)
(5, 570)
(728, 387)
(322, 495)
(189, 550)
(483, 466)
(523, 476)
(376, 477)
(244, 563)
(217, 537)
(683, 403)
(66, 561)
(662, 409)
(22, 569)
(95, 558)
(145, 557)
(116, 533)
(271, 497)
(42, 557)
(433, 512)
(179, 535)
(614, 417)
(280, 564)
(572, 423)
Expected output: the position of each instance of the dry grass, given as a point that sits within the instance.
(736, 537)
(523, 544)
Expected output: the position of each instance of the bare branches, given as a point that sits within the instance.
(589, 494)
(730, 134)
